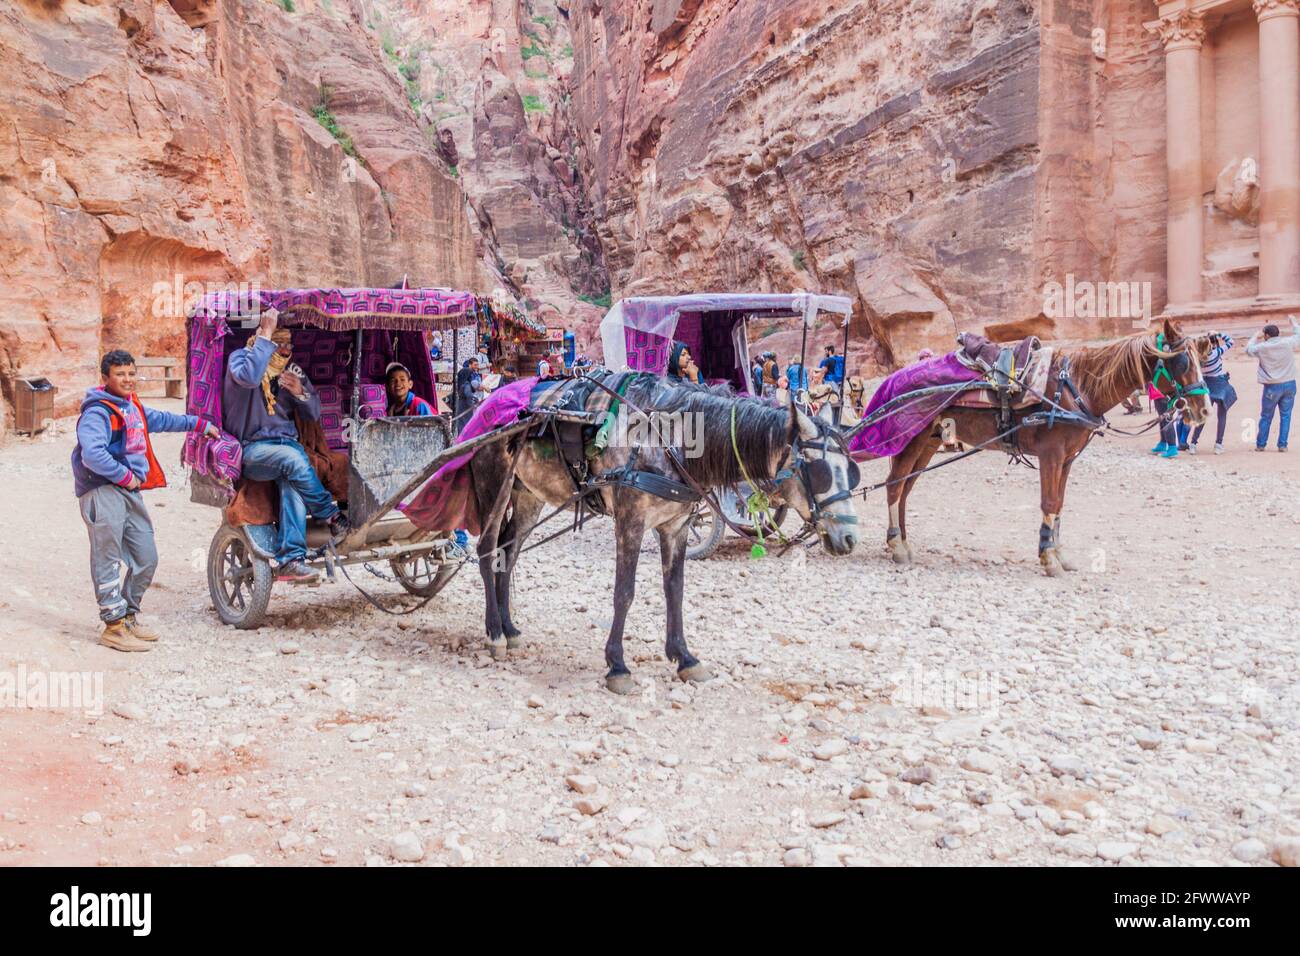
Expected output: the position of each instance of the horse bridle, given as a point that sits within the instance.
(1171, 369)
(817, 477)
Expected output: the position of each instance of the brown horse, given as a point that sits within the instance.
(1104, 375)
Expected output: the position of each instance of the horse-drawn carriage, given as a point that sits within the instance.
(343, 340)
(717, 328)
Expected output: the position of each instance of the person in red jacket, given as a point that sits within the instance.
(112, 463)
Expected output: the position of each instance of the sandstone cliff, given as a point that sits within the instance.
(202, 141)
(492, 78)
(937, 161)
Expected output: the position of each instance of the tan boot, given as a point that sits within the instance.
(119, 637)
(138, 630)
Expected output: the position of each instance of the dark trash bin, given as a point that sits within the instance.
(33, 404)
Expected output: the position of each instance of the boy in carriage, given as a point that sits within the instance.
(401, 400)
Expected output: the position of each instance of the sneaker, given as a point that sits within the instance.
(119, 637)
(296, 572)
(1160, 449)
(339, 526)
(1171, 451)
(1218, 448)
(1260, 448)
(1281, 447)
(1186, 448)
(138, 630)
(1191, 449)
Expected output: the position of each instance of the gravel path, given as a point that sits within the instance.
(963, 710)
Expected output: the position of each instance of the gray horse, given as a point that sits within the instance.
(739, 439)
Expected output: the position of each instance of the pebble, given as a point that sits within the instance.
(361, 733)
(535, 703)
(590, 806)
(129, 711)
(1249, 850)
(917, 775)
(1160, 824)
(582, 783)
(822, 821)
(239, 859)
(289, 647)
(1113, 851)
(406, 847)
(93, 818)
(1065, 765)
(835, 747)
(977, 761)
(652, 836)
(1285, 851)
(796, 856)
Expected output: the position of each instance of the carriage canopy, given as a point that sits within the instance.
(638, 332)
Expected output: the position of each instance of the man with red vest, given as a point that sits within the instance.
(112, 463)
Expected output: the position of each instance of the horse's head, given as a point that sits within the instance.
(1176, 373)
(821, 480)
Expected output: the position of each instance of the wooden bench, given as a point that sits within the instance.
(164, 370)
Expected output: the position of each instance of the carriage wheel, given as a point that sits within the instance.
(703, 532)
(421, 574)
(238, 580)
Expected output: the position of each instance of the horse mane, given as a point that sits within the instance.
(761, 430)
(1113, 369)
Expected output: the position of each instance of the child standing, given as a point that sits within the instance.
(112, 463)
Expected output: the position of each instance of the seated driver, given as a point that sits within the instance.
(261, 395)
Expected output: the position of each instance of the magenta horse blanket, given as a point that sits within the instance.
(446, 501)
(890, 435)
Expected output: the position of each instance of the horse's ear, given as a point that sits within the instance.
(1173, 334)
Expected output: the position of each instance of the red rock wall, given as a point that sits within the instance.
(940, 162)
(144, 141)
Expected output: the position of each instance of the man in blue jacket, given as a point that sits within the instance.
(262, 393)
(112, 463)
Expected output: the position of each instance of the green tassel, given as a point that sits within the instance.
(757, 551)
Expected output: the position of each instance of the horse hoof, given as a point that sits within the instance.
(497, 648)
(907, 546)
(1051, 564)
(695, 674)
(1066, 563)
(514, 641)
(621, 684)
(900, 556)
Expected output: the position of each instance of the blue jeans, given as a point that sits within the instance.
(1280, 396)
(285, 462)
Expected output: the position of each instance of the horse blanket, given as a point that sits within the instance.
(890, 435)
(446, 501)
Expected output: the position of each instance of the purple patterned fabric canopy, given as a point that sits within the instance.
(401, 311)
(341, 310)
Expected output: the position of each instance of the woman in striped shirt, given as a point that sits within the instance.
(1222, 394)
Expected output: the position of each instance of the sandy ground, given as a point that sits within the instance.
(966, 709)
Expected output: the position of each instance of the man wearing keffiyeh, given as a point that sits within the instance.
(263, 392)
